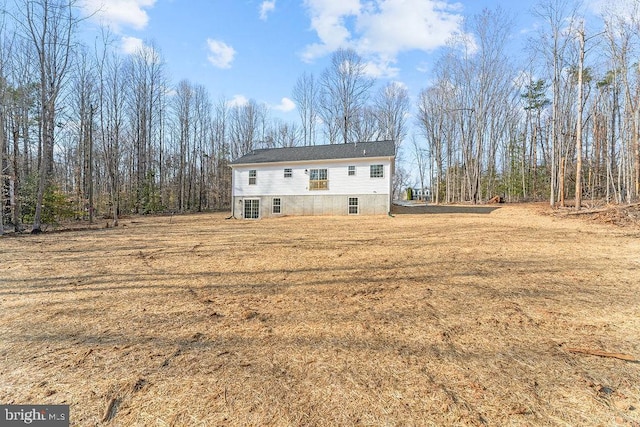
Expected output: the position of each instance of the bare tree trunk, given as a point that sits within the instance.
(578, 200)
(3, 165)
(50, 26)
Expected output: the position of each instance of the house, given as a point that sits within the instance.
(417, 193)
(337, 179)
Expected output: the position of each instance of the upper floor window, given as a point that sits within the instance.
(377, 171)
(288, 172)
(253, 175)
(318, 179)
(352, 170)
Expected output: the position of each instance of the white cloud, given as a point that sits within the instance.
(131, 45)
(285, 105)
(221, 55)
(328, 20)
(381, 68)
(399, 25)
(624, 9)
(118, 13)
(267, 7)
(136, 46)
(381, 29)
(238, 101)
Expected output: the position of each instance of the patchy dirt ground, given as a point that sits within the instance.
(493, 316)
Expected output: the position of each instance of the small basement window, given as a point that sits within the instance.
(276, 205)
(288, 172)
(376, 171)
(253, 176)
(353, 206)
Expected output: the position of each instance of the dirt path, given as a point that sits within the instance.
(422, 319)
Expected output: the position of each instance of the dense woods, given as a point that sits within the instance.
(88, 131)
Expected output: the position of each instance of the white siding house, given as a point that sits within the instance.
(338, 179)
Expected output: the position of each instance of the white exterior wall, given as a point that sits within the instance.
(271, 181)
(297, 199)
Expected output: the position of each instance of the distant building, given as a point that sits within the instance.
(415, 193)
(337, 179)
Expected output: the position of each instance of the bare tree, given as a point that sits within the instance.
(366, 126)
(84, 98)
(421, 159)
(147, 88)
(50, 26)
(622, 31)
(21, 99)
(111, 105)
(305, 94)
(4, 164)
(283, 134)
(344, 91)
(183, 105)
(559, 15)
(244, 122)
(392, 109)
(221, 155)
(581, 38)
(437, 113)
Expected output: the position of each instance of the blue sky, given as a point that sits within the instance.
(256, 49)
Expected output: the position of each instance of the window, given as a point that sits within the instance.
(275, 206)
(352, 170)
(252, 209)
(318, 179)
(353, 206)
(288, 172)
(377, 171)
(253, 174)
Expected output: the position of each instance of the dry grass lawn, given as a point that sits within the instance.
(449, 317)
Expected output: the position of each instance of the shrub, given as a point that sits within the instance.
(56, 206)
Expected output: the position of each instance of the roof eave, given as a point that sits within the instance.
(232, 165)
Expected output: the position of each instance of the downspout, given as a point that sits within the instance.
(391, 176)
(233, 197)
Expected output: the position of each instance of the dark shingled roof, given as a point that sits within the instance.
(319, 152)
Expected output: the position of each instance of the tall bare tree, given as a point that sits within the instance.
(344, 91)
(305, 94)
(392, 109)
(244, 127)
(4, 164)
(622, 31)
(111, 106)
(553, 42)
(581, 39)
(84, 90)
(50, 26)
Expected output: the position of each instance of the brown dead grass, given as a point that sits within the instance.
(437, 318)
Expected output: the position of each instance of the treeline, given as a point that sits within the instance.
(87, 131)
(562, 127)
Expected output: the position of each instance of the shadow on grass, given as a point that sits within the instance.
(442, 209)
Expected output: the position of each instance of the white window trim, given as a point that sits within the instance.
(319, 184)
(371, 170)
(279, 206)
(244, 201)
(349, 206)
